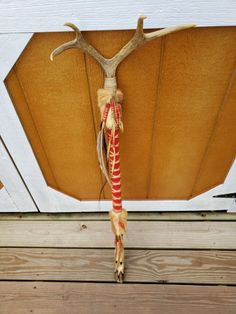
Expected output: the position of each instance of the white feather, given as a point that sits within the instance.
(100, 151)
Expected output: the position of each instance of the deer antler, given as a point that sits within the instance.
(109, 65)
(79, 42)
(141, 38)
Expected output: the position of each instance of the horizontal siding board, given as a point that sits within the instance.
(69, 298)
(94, 234)
(172, 266)
(92, 15)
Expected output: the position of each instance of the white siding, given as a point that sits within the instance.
(44, 15)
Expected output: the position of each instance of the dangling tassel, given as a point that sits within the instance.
(100, 151)
(110, 108)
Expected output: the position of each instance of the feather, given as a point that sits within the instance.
(100, 151)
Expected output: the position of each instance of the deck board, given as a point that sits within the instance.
(69, 298)
(144, 216)
(150, 266)
(97, 234)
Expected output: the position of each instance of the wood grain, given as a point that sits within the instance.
(97, 234)
(86, 298)
(160, 266)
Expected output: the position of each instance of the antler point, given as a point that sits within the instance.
(142, 17)
(51, 57)
(67, 24)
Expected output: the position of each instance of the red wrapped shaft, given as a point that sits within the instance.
(114, 153)
(114, 168)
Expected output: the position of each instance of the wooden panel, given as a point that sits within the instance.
(175, 266)
(196, 71)
(69, 298)
(97, 234)
(136, 142)
(61, 113)
(213, 170)
(138, 78)
(178, 123)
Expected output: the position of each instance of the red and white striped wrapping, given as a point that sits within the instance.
(114, 153)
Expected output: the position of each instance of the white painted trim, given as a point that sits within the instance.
(232, 208)
(11, 46)
(48, 16)
(17, 143)
(202, 202)
(6, 203)
(230, 181)
(49, 200)
(11, 130)
(14, 187)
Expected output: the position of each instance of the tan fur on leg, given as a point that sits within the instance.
(119, 222)
(104, 97)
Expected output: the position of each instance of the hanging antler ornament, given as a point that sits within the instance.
(109, 102)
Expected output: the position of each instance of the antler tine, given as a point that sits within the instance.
(140, 38)
(165, 31)
(79, 42)
(68, 45)
(134, 42)
(109, 65)
(139, 29)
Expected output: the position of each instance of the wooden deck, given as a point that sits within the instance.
(175, 263)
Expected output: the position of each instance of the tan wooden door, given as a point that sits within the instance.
(179, 113)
